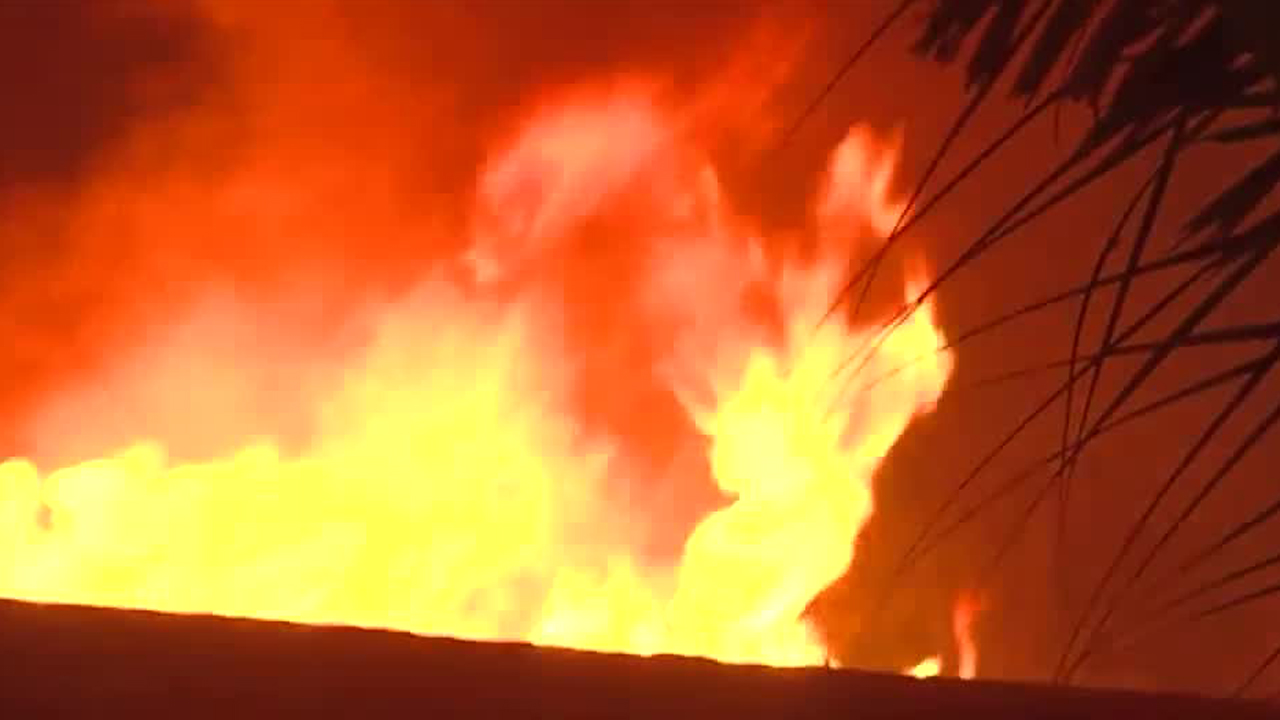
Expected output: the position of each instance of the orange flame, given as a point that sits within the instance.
(962, 617)
(927, 668)
(449, 488)
(962, 626)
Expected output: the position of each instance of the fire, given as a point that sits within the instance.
(926, 668)
(962, 617)
(448, 486)
(962, 626)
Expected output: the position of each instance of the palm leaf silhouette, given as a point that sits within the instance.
(1180, 75)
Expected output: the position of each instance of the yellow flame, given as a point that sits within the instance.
(451, 490)
(927, 668)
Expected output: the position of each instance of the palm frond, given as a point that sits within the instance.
(1197, 74)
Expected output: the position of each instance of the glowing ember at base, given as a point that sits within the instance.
(966, 609)
(450, 489)
(927, 668)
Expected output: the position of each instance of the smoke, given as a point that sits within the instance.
(297, 170)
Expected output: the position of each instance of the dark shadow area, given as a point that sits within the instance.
(64, 661)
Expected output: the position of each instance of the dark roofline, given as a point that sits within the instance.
(64, 661)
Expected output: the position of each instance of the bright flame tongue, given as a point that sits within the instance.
(451, 492)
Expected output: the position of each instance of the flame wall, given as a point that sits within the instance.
(332, 396)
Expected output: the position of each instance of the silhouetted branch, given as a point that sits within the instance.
(1182, 69)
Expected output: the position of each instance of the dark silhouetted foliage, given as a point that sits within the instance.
(1163, 77)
